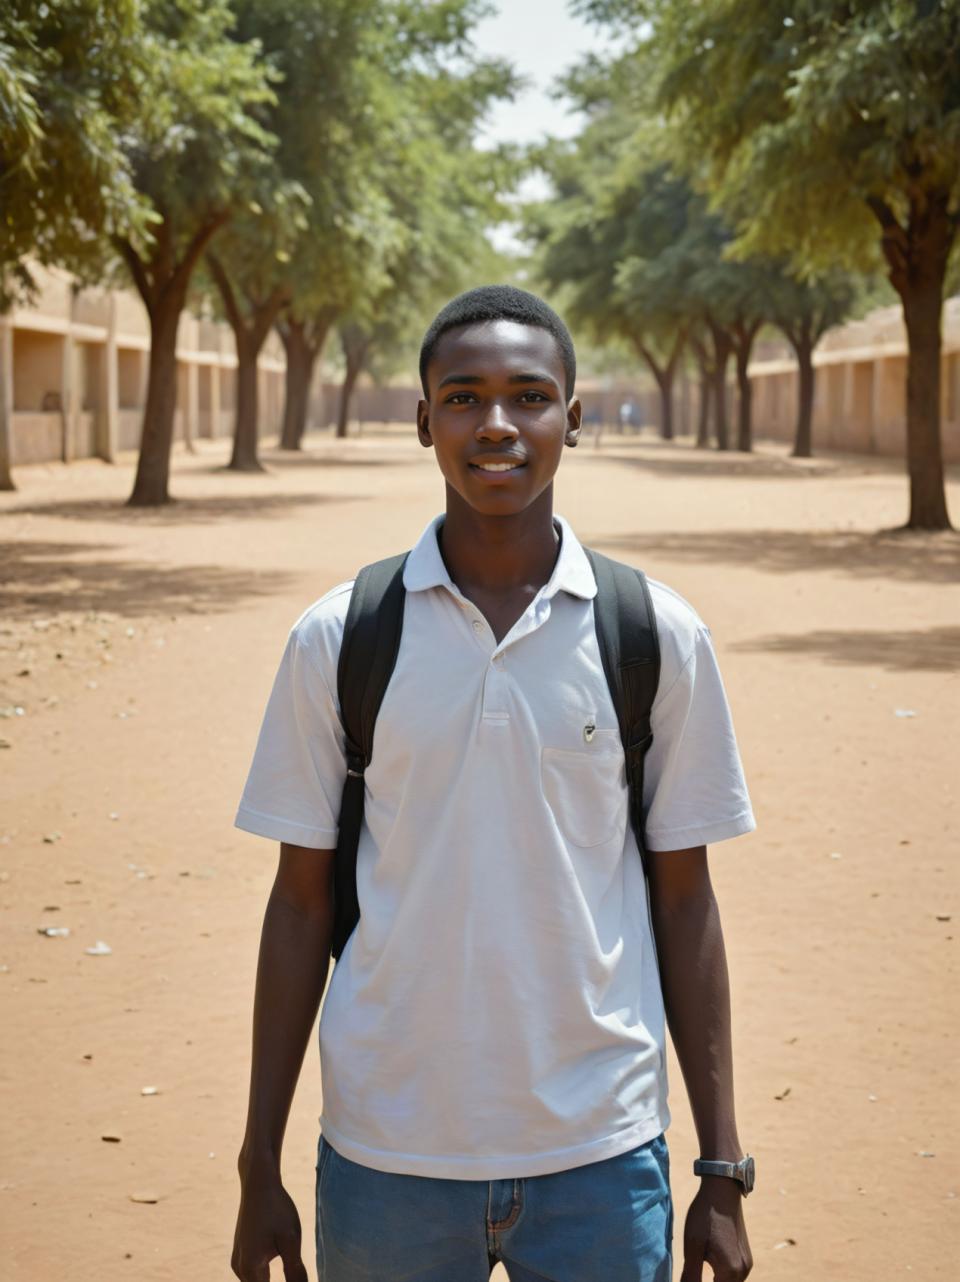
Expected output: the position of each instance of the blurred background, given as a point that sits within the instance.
(224, 227)
(233, 219)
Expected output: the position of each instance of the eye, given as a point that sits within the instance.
(460, 398)
(533, 398)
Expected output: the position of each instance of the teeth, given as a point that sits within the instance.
(498, 467)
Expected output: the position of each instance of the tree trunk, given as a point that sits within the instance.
(663, 372)
(744, 403)
(922, 311)
(6, 405)
(806, 386)
(303, 342)
(705, 383)
(301, 358)
(356, 345)
(244, 455)
(665, 386)
(743, 333)
(722, 347)
(162, 282)
(346, 394)
(150, 489)
(251, 320)
(917, 255)
(703, 416)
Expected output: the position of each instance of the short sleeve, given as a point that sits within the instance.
(296, 780)
(694, 789)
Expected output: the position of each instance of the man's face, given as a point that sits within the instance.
(497, 414)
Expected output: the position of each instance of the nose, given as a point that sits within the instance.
(496, 426)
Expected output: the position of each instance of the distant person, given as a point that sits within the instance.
(493, 1039)
(627, 415)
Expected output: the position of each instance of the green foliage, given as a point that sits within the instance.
(65, 96)
(437, 193)
(199, 146)
(816, 115)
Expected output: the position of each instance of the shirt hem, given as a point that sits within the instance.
(703, 835)
(275, 829)
(496, 1167)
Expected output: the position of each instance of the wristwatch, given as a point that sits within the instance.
(743, 1171)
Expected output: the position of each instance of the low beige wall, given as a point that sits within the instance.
(861, 388)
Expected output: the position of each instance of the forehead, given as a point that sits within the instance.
(491, 349)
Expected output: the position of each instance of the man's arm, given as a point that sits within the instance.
(696, 993)
(291, 974)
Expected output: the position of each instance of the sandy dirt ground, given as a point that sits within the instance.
(136, 653)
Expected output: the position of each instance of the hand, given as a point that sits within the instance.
(267, 1225)
(715, 1233)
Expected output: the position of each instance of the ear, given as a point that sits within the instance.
(423, 424)
(574, 417)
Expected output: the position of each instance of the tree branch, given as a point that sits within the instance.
(265, 313)
(230, 304)
(197, 246)
(137, 270)
(894, 240)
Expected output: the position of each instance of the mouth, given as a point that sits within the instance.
(497, 466)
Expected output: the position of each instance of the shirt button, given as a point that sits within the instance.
(477, 625)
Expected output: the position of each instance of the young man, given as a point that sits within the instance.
(492, 1042)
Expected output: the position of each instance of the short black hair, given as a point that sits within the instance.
(499, 302)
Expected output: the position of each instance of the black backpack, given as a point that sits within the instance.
(627, 636)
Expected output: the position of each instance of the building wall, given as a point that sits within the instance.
(66, 404)
(861, 388)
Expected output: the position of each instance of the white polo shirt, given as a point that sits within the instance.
(497, 1012)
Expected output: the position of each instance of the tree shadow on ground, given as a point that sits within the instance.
(308, 458)
(198, 511)
(934, 649)
(905, 557)
(717, 465)
(39, 579)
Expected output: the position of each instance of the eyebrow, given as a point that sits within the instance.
(472, 379)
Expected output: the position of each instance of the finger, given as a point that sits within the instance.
(692, 1262)
(259, 1272)
(294, 1269)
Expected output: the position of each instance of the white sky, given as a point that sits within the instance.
(541, 38)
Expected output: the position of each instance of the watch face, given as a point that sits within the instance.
(748, 1169)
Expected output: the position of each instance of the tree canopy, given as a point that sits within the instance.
(829, 132)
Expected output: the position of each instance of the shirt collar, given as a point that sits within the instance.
(572, 572)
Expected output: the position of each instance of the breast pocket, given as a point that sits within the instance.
(586, 789)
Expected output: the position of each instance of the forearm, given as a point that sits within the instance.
(291, 974)
(696, 991)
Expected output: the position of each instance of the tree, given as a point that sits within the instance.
(804, 309)
(613, 239)
(63, 176)
(196, 151)
(394, 210)
(303, 341)
(440, 190)
(830, 128)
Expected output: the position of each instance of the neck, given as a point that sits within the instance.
(499, 553)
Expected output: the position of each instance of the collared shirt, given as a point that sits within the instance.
(497, 1012)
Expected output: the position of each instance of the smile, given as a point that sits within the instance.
(498, 467)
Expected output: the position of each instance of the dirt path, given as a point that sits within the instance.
(140, 647)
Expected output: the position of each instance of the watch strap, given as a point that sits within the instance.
(743, 1171)
(730, 1169)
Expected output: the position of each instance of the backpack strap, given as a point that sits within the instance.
(626, 629)
(368, 653)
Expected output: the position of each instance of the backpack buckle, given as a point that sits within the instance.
(356, 764)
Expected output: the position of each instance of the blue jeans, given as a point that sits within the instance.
(609, 1221)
